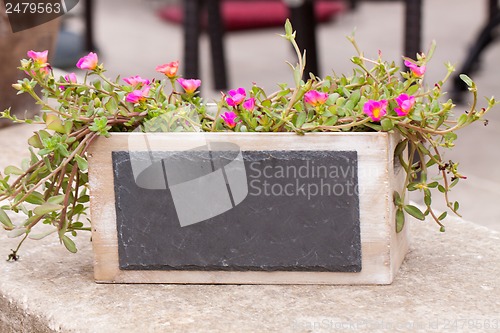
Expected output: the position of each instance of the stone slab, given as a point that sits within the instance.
(312, 230)
(447, 278)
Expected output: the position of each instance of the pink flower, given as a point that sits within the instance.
(405, 104)
(189, 85)
(70, 78)
(236, 97)
(315, 98)
(229, 118)
(137, 96)
(418, 71)
(249, 104)
(88, 62)
(375, 109)
(170, 69)
(136, 80)
(39, 57)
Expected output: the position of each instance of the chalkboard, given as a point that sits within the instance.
(287, 211)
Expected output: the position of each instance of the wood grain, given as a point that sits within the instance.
(382, 249)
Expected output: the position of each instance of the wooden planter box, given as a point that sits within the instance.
(245, 208)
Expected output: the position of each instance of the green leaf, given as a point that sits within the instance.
(82, 163)
(5, 220)
(54, 123)
(415, 212)
(332, 99)
(35, 141)
(331, 121)
(400, 147)
(462, 119)
(69, 244)
(266, 103)
(413, 89)
(83, 199)
(432, 185)
(111, 105)
(68, 125)
(456, 206)
(387, 124)
(35, 198)
(77, 225)
(297, 76)
(13, 170)
(58, 199)
(17, 232)
(46, 208)
(301, 119)
(442, 216)
(44, 135)
(400, 220)
(422, 148)
(431, 50)
(397, 198)
(427, 200)
(355, 97)
(288, 28)
(42, 235)
(467, 80)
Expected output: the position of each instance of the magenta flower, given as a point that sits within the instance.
(249, 104)
(70, 78)
(137, 96)
(418, 71)
(170, 69)
(405, 104)
(315, 98)
(375, 109)
(88, 62)
(189, 85)
(236, 97)
(39, 57)
(136, 80)
(229, 118)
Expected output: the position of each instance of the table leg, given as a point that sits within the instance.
(89, 25)
(304, 22)
(486, 36)
(191, 38)
(413, 28)
(216, 35)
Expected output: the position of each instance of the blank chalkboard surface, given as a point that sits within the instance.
(296, 211)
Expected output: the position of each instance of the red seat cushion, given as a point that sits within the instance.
(243, 15)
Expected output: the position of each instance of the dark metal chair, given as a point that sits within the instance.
(303, 19)
(485, 37)
(89, 26)
(192, 28)
(412, 28)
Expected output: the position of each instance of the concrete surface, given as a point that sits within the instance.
(449, 282)
(447, 279)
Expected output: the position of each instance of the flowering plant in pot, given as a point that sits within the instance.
(51, 187)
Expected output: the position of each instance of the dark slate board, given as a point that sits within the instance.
(262, 233)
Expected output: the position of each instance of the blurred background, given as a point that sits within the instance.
(132, 37)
